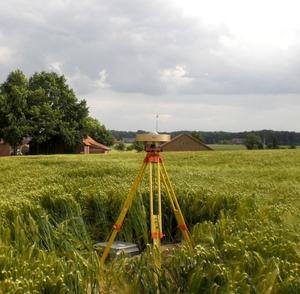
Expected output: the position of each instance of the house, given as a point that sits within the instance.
(22, 148)
(184, 142)
(238, 141)
(92, 146)
(128, 140)
(4, 148)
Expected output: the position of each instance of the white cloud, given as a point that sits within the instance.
(102, 81)
(5, 54)
(176, 78)
(57, 67)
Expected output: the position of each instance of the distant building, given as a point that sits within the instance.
(22, 148)
(4, 148)
(184, 142)
(128, 140)
(238, 141)
(92, 146)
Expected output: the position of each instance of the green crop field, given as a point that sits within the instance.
(223, 147)
(242, 207)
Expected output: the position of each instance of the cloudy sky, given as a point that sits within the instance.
(202, 65)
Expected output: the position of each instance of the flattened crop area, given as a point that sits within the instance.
(242, 207)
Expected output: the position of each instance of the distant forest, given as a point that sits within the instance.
(267, 136)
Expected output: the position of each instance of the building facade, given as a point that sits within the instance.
(92, 146)
(4, 148)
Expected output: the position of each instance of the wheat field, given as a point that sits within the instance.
(242, 207)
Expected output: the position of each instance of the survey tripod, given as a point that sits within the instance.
(157, 174)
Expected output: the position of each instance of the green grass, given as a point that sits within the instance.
(223, 147)
(288, 147)
(243, 209)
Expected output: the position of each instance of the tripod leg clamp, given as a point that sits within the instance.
(183, 227)
(117, 227)
(157, 235)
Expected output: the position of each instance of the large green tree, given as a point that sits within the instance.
(253, 141)
(13, 109)
(55, 115)
(196, 135)
(46, 109)
(98, 131)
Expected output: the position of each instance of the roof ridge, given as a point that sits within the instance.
(188, 135)
(89, 141)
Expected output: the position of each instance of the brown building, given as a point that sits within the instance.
(92, 146)
(4, 148)
(184, 142)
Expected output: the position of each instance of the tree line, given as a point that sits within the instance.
(267, 138)
(45, 109)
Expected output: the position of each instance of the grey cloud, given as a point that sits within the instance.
(239, 113)
(153, 58)
(134, 42)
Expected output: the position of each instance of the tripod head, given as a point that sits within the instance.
(152, 141)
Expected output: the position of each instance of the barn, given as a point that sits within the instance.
(4, 148)
(92, 146)
(184, 142)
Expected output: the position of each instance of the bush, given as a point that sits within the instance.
(253, 141)
(130, 147)
(120, 146)
(138, 146)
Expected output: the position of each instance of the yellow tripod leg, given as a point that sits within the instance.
(175, 205)
(154, 218)
(159, 200)
(117, 226)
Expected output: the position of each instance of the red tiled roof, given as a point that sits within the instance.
(88, 141)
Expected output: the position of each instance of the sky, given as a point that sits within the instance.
(213, 65)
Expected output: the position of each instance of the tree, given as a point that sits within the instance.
(197, 136)
(46, 109)
(253, 141)
(138, 146)
(130, 147)
(13, 108)
(273, 144)
(283, 137)
(120, 146)
(98, 131)
(55, 115)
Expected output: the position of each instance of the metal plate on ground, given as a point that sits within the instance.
(119, 247)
